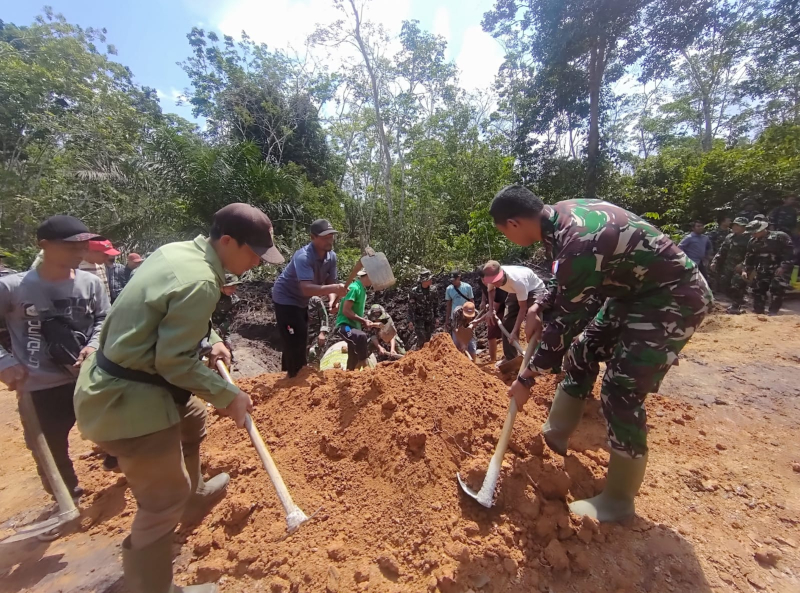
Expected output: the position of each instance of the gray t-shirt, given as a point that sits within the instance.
(83, 300)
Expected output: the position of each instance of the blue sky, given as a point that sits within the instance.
(150, 35)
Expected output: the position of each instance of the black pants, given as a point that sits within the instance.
(510, 320)
(56, 415)
(293, 327)
(357, 345)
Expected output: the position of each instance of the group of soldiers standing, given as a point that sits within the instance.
(756, 252)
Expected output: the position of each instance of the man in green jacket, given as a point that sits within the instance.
(133, 397)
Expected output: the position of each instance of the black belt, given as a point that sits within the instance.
(180, 395)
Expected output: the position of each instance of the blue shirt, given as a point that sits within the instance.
(305, 266)
(451, 294)
(697, 248)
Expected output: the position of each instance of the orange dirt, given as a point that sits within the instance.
(375, 454)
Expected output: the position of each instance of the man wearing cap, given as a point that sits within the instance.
(385, 333)
(522, 286)
(134, 396)
(423, 304)
(654, 298)
(45, 362)
(311, 272)
(463, 333)
(488, 310)
(769, 257)
(351, 323)
(456, 295)
(728, 263)
(96, 258)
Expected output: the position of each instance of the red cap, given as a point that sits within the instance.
(135, 258)
(103, 245)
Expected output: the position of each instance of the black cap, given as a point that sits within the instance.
(247, 224)
(64, 228)
(321, 228)
(455, 274)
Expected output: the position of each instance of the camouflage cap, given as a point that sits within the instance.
(424, 275)
(377, 313)
(757, 226)
(740, 220)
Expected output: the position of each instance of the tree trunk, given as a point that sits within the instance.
(596, 67)
(386, 161)
(708, 128)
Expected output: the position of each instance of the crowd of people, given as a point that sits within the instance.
(750, 250)
(127, 351)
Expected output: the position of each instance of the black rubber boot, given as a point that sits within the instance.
(565, 415)
(615, 503)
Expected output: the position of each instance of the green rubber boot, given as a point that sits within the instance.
(149, 570)
(204, 494)
(615, 502)
(565, 415)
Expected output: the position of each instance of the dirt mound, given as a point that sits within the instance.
(375, 455)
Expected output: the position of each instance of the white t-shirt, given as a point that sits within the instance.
(521, 281)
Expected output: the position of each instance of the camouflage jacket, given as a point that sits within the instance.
(732, 252)
(767, 253)
(422, 304)
(784, 218)
(717, 237)
(599, 251)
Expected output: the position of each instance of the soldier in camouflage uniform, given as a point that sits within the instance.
(654, 299)
(769, 256)
(422, 306)
(719, 234)
(784, 218)
(728, 264)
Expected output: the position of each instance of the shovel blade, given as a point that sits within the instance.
(480, 497)
(31, 531)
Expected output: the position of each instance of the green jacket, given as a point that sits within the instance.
(155, 326)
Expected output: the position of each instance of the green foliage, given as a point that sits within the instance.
(384, 142)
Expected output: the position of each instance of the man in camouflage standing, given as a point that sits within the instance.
(727, 265)
(654, 299)
(784, 218)
(769, 256)
(719, 234)
(422, 306)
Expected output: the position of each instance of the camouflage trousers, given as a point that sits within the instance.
(423, 331)
(734, 285)
(766, 281)
(639, 341)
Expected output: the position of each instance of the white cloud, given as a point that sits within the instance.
(281, 23)
(479, 59)
(173, 96)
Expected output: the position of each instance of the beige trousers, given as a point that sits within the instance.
(153, 465)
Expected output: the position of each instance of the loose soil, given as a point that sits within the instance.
(375, 453)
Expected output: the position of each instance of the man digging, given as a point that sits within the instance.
(655, 298)
(134, 396)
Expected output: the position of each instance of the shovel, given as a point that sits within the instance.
(294, 516)
(67, 511)
(485, 495)
(505, 332)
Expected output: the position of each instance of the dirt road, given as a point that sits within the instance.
(719, 510)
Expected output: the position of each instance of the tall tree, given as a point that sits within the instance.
(591, 40)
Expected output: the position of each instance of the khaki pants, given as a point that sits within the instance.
(153, 465)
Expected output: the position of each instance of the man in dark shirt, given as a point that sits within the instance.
(784, 218)
(312, 272)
